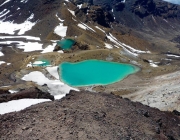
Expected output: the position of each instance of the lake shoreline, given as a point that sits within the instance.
(88, 67)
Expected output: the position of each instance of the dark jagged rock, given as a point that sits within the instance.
(4, 91)
(143, 15)
(119, 6)
(176, 112)
(80, 46)
(33, 93)
(85, 115)
(56, 48)
(95, 14)
(145, 8)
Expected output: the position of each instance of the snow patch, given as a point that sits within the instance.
(109, 46)
(56, 87)
(1, 54)
(173, 55)
(72, 12)
(10, 27)
(59, 18)
(100, 29)
(128, 48)
(5, 2)
(3, 14)
(165, 20)
(30, 46)
(24, 1)
(13, 91)
(26, 46)
(79, 6)
(61, 30)
(17, 105)
(26, 37)
(2, 62)
(152, 64)
(53, 71)
(31, 17)
(82, 26)
(123, 1)
(49, 48)
(85, 27)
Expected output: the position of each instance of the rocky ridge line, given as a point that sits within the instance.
(86, 115)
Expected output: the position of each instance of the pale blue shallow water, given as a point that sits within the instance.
(94, 72)
(44, 64)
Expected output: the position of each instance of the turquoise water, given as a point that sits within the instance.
(66, 44)
(94, 72)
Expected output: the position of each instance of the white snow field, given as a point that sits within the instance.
(1, 54)
(56, 87)
(60, 30)
(26, 37)
(85, 27)
(2, 62)
(49, 48)
(17, 105)
(10, 27)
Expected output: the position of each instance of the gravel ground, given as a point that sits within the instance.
(162, 92)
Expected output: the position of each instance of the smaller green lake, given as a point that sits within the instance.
(94, 72)
(66, 44)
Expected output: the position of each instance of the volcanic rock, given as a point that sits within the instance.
(33, 93)
(86, 115)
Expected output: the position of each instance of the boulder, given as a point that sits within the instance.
(33, 93)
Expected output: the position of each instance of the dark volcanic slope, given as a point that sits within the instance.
(150, 17)
(85, 115)
(20, 11)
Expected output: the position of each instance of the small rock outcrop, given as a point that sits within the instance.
(144, 8)
(33, 93)
(97, 14)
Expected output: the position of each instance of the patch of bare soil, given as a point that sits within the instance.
(86, 115)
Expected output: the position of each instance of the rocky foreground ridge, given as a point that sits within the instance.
(86, 115)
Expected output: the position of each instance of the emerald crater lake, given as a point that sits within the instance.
(66, 44)
(94, 72)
